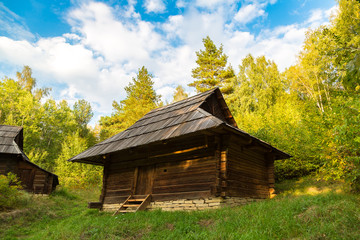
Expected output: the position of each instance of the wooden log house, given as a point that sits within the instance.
(13, 159)
(186, 155)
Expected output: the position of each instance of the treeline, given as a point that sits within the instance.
(53, 131)
(310, 110)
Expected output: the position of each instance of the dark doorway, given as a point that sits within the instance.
(25, 178)
(145, 179)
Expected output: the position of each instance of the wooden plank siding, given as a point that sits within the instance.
(118, 183)
(247, 171)
(181, 169)
(8, 163)
(32, 178)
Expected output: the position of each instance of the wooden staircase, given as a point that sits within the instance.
(134, 203)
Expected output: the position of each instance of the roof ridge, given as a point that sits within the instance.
(183, 100)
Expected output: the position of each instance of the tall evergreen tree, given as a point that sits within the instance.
(212, 71)
(141, 98)
(179, 94)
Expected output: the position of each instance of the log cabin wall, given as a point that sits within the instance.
(32, 178)
(247, 171)
(8, 163)
(184, 168)
(35, 179)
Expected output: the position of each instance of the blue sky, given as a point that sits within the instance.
(91, 49)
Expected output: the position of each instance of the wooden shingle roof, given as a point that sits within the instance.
(204, 111)
(8, 137)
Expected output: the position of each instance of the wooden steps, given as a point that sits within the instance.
(134, 203)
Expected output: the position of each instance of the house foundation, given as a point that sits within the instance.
(189, 205)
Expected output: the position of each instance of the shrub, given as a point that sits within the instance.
(10, 196)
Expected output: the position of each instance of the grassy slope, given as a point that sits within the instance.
(305, 209)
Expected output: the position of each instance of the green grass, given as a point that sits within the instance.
(305, 209)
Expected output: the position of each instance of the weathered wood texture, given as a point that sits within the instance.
(8, 163)
(247, 172)
(167, 171)
(11, 140)
(32, 178)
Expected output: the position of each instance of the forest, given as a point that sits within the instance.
(310, 110)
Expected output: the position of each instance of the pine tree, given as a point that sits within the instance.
(179, 94)
(141, 98)
(212, 71)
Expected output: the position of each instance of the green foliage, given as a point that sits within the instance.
(141, 98)
(64, 193)
(212, 71)
(46, 123)
(264, 107)
(28, 83)
(76, 174)
(342, 151)
(83, 113)
(179, 94)
(344, 35)
(10, 196)
(258, 86)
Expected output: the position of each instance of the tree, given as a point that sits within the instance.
(28, 83)
(344, 35)
(25, 79)
(313, 77)
(83, 113)
(258, 87)
(179, 94)
(212, 70)
(141, 98)
(76, 174)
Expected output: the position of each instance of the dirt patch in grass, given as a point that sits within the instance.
(206, 223)
(170, 226)
(13, 214)
(309, 214)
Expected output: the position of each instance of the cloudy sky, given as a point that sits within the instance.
(86, 49)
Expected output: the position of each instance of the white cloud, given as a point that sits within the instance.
(249, 12)
(155, 6)
(320, 17)
(180, 4)
(212, 3)
(114, 39)
(166, 94)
